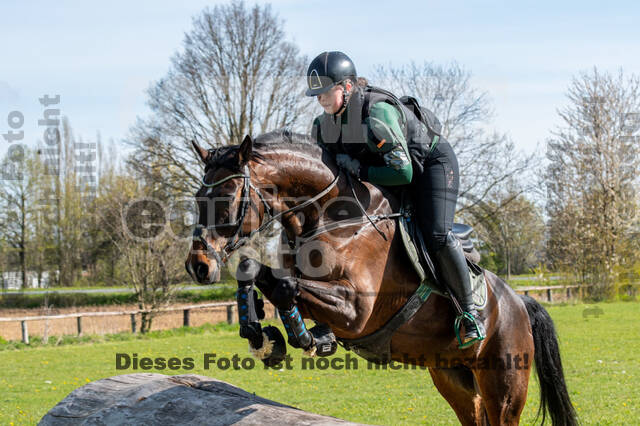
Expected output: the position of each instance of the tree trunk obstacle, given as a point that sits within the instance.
(149, 398)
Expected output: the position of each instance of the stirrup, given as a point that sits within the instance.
(456, 326)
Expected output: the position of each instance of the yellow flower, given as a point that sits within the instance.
(87, 380)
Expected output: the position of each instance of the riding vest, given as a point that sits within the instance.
(383, 132)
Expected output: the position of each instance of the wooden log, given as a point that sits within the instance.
(149, 398)
(185, 318)
(230, 316)
(25, 332)
(133, 323)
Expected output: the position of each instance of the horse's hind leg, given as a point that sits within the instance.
(504, 393)
(456, 385)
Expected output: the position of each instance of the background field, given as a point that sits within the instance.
(600, 354)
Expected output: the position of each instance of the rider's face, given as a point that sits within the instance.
(331, 100)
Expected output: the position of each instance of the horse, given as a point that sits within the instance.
(356, 276)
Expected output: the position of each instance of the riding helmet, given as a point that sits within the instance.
(327, 70)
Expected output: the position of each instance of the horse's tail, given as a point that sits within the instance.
(554, 397)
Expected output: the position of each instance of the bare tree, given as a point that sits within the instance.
(150, 258)
(487, 161)
(592, 178)
(17, 199)
(236, 75)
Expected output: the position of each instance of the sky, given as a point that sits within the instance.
(100, 57)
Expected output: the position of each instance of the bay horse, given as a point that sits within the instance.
(355, 277)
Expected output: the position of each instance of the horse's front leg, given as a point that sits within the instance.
(326, 303)
(266, 343)
(333, 302)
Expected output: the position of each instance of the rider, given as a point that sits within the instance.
(366, 134)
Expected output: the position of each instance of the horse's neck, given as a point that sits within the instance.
(299, 176)
(295, 176)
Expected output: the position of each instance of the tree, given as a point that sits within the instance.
(236, 75)
(487, 161)
(512, 228)
(592, 178)
(151, 259)
(18, 208)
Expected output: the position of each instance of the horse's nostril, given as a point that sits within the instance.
(202, 271)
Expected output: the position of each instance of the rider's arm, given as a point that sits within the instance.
(386, 137)
(315, 131)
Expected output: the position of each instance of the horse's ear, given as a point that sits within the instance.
(202, 153)
(244, 153)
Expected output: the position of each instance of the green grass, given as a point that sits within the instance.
(601, 357)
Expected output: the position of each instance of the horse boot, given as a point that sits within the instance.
(453, 269)
(283, 298)
(324, 340)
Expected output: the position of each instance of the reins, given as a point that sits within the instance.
(237, 240)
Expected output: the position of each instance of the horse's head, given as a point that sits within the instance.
(226, 211)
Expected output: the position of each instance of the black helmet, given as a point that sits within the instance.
(327, 70)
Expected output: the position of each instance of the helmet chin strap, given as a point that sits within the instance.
(345, 99)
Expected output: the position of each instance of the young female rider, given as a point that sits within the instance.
(366, 133)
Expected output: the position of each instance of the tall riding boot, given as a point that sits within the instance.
(453, 269)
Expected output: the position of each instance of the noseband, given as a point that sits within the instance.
(200, 233)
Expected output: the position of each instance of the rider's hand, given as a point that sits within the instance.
(349, 164)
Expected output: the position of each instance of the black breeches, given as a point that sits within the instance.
(436, 194)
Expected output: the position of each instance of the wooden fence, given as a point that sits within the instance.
(186, 310)
(570, 291)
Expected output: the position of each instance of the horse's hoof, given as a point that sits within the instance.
(325, 343)
(278, 346)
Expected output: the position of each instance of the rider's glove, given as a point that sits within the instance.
(349, 164)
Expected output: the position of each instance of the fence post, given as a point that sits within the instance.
(185, 318)
(568, 293)
(79, 322)
(133, 323)
(25, 332)
(230, 314)
(526, 292)
(548, 295)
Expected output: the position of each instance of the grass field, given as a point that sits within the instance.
(601, 357)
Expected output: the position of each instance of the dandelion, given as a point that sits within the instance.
(87, 380)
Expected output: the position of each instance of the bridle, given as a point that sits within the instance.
(236, 241)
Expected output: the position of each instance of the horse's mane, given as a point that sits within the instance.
(277, 139)
(285, 138)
